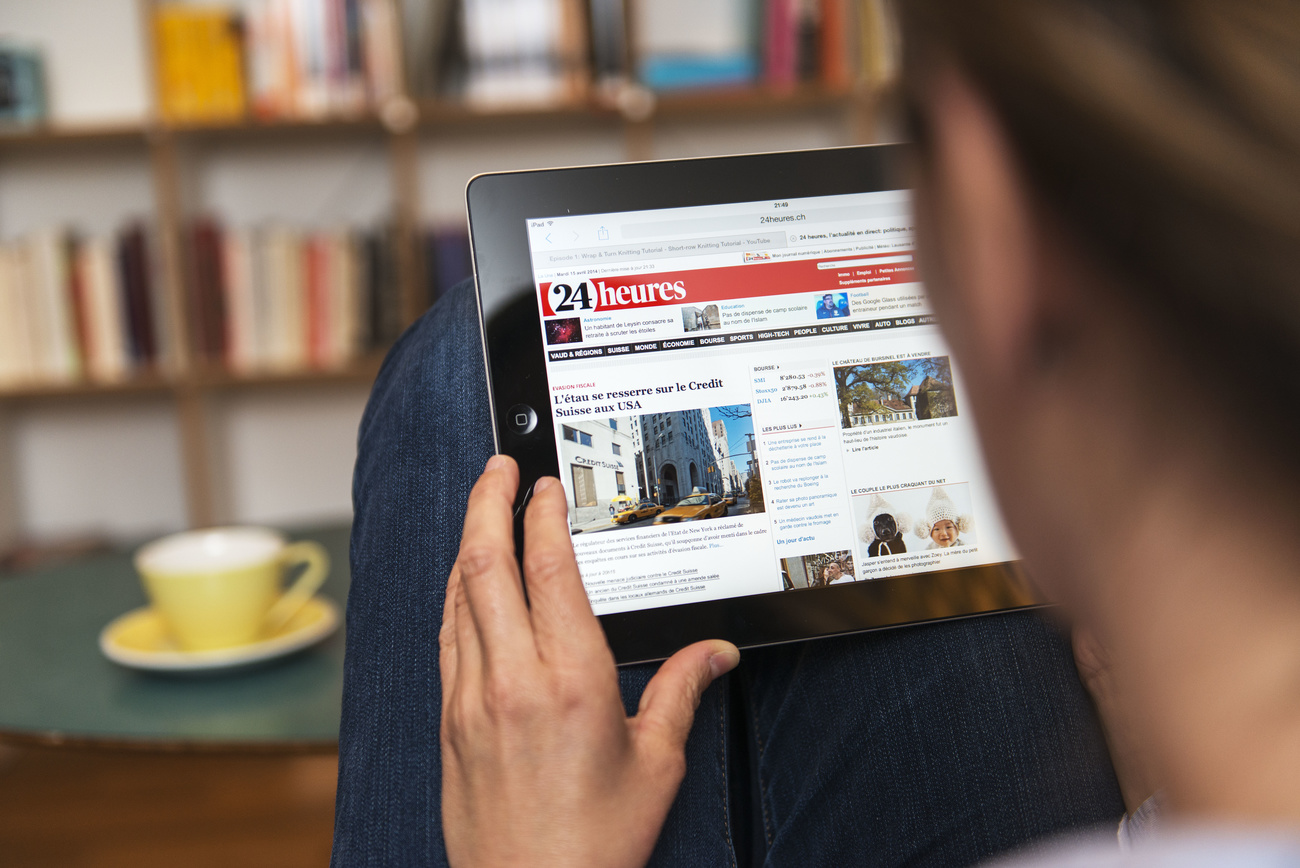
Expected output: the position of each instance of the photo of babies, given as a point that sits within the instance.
(925, 518)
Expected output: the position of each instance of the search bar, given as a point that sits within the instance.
(852, 263)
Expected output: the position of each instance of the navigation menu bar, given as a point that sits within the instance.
(696, 342)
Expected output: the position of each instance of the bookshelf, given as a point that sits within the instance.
(409, 133)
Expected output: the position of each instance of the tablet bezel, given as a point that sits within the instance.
(499, 206)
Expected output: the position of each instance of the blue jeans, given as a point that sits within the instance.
(933, 745)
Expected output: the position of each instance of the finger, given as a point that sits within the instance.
(488, 571)
(1090, 658)
(469, 647)
(447, 637)
(562, 618)
(668, 704)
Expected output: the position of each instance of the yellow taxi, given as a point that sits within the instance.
(694, 508)
(631, 512)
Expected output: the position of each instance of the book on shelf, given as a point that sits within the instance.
(276, 58)
(688, 44)
(880, 43)
(22, 85)
(496, 54)
(74, 308)
(447, 259)
(315, 58)
(199, 62)
(381, 289)
(610, 68)
(277, 298)
(499, 54)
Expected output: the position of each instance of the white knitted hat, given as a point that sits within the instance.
(878, 506)
(941, 508)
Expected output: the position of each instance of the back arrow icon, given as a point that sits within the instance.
(548, 238)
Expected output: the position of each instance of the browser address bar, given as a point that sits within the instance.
(729, 223)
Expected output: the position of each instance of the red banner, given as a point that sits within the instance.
(752, 280)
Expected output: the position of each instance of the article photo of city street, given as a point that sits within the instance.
(659, 468)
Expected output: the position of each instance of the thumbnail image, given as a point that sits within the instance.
(709, 451)
(832, 304)
(660, 468)
(695, 319)
(818, 571)
(926, 517)
(563, 331)
(900, 391)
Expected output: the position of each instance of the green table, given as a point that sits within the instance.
(56, 687)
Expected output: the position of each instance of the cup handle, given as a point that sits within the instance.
(318, 566)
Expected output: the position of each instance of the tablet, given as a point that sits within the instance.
(732, 368)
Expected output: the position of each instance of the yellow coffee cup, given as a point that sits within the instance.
(224, 586)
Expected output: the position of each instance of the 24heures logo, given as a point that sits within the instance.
(597, 294)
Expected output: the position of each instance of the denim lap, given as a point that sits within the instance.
(934, 745)
(940, 744)
(423, 440)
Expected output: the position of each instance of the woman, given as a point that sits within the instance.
(1108, 217)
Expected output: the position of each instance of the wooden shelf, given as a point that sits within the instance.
(252, 126)
(141, 385)
(441, 114)
(55, 134)
(760, 101)
(360, 371)
(756, 100)
(437, 115)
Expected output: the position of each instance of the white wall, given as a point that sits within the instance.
(703, 137)
(99, 466)
(91, 189)
(94, 55)
(449, 159)
(288, 453)
(310, 182)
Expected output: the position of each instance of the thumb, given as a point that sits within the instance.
(668, 704)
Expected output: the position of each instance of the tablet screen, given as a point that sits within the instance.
(754, 398)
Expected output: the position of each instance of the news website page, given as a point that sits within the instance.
(754, 398)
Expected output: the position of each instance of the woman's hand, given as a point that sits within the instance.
(540, 765)
(1137, 776)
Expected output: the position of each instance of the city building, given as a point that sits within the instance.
(726, 464)
(878, 410)
(598, 456)
(932, 399)
(694, 318)
(679, 453)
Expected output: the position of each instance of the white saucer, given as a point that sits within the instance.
(139, 640)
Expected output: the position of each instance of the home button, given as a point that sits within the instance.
(521, 419)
